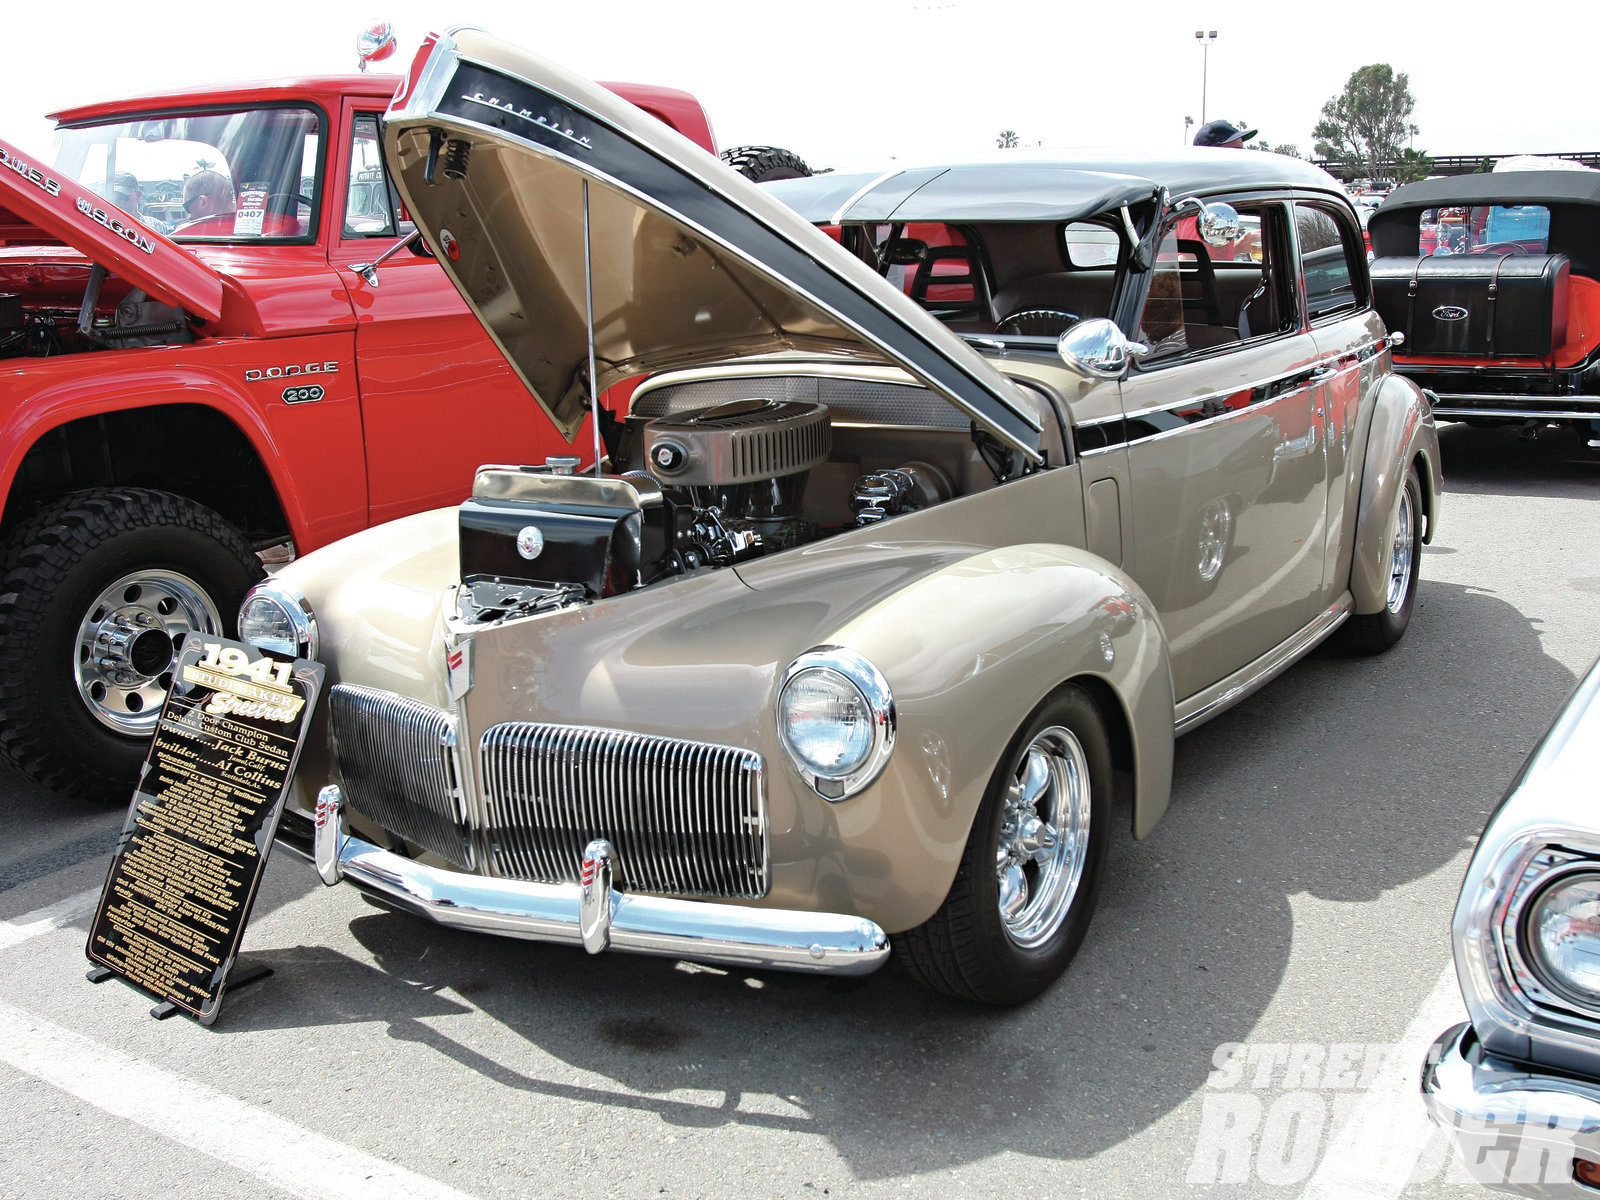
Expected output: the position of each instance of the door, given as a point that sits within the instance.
(1227, 480)
(438, 398)
(1350, 344)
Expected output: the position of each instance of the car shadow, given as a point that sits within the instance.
(1344, 779)
(1501, 461)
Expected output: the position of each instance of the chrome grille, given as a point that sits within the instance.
(397, 760)
(685, 818)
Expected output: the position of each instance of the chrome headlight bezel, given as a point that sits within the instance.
(1542, 831)
(839, 664)
(1550, 869)
(296, 612)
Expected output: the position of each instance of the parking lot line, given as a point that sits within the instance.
(43, 920)
(281, 1153)
(1373, 1156)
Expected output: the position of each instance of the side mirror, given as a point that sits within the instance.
(905, 252)
(1097, 349)
(1219, 224)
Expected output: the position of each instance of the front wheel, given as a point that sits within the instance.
(97, 592)
(1030, 874)
(1376, 632)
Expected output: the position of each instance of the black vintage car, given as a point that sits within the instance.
(1494, 280)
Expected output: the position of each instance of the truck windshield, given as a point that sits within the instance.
(240, 176)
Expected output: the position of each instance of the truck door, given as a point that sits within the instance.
(438, 399)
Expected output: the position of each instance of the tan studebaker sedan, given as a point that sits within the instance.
(950, 497)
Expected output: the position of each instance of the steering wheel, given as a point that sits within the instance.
(286, 202)
(1502, 248)
(1038, 322)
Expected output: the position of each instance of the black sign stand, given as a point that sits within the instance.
(195, 842)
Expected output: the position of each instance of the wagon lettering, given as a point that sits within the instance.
(129, 234)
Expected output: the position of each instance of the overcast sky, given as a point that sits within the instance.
(848, 85)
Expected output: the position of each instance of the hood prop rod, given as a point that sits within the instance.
(588, 300)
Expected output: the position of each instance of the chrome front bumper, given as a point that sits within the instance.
(594, 914)
(1518, 1129)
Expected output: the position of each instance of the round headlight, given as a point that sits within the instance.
(1564, 936)
(277, 618)
(836, 720)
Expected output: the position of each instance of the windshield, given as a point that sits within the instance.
(246, 175)
(1486, 229)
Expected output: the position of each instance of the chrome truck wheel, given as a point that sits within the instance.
(128, 640)
(96, 590)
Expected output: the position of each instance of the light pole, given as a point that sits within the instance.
(1205, 38)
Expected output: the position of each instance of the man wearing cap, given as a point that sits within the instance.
(1223, 134)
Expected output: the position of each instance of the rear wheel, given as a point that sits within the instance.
(1375, 632)
(96, 593)
(1031, 871)
(761, 163)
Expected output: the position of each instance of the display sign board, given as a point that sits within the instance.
(196, 838)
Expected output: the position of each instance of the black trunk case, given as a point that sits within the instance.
(1475, 305)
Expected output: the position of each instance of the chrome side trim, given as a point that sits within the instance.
(782, 939)
(1300, 375)
(1223, 695)
(1518, 1128)
(1503, 396)
(1446, 410)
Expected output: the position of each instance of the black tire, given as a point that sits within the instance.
(168, 559)
(968, 949)
(1374, 633)
(761, 163)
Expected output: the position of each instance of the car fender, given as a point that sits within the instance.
(970, 650)
(155, 380)
(1402, 431)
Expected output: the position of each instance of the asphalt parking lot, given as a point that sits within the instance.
(1288, 920)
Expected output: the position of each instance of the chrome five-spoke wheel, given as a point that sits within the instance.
(1401, 554)
(1022, 899)
(1044, 837)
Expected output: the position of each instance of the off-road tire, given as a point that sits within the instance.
(1373, 633)
(761, 163)
(52, 567)
(964, 949)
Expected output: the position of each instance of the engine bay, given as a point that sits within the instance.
(703, 487)
(50, 307)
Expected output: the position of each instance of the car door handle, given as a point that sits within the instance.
(1322, 374)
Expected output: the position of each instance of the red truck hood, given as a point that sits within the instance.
(31, 193)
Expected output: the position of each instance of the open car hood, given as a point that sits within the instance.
(32, 194)
(690, 263)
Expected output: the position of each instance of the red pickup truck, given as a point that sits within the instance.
(201, 364)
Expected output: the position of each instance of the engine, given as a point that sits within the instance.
(741, 466)
(724, 484)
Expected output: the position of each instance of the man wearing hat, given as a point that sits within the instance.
(1222, 133)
